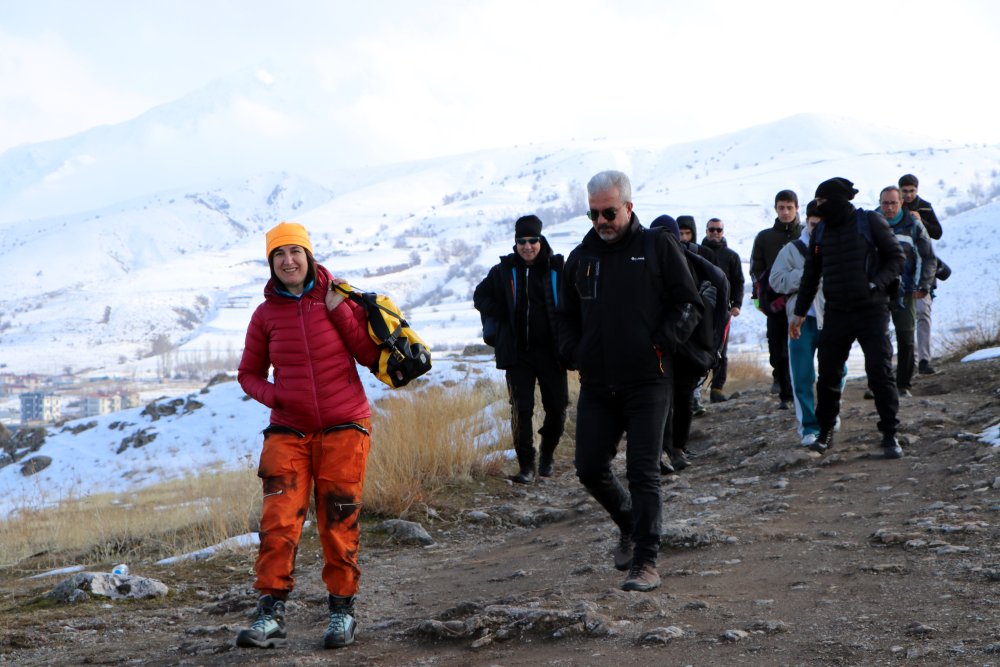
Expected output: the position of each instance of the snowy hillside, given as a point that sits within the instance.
(105, 290)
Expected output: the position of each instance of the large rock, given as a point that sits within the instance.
(117, 587)
(406, 532)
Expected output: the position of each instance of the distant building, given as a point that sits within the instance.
(93, 406)
(38, 407)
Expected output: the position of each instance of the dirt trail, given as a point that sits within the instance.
(771, 556)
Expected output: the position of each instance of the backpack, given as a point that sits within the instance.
(872, 262)
(403, 355)
(704, 347)
(769, 301)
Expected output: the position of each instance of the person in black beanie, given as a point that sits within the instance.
(857, 269)
(517, 303)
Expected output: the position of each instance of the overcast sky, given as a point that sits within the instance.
(442, 77)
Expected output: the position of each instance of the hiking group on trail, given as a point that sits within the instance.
(641, 313)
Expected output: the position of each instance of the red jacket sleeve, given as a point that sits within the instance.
(352, 324)
(256, 363)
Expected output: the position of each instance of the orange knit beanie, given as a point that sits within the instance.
(287, 233)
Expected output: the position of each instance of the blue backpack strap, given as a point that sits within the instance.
(802, 247)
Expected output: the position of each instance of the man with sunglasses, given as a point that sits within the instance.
(517, 302)
(730, 263)
(619, 325)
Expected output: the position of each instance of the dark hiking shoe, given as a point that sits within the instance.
(869, 394)
(783, 405)
(342, 626)
(666, 468)
(716, 396)
(905, 393)
(697, 409)
(925, 368)
(545, 465)
(823, 442)
(642, 578)
(268, 627)
(679, 460)
(891, 447)
(524, 476)
(622, 553)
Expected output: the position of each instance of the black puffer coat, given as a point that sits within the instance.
(855, 274)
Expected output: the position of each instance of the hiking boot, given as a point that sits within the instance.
(268, 628)
(666, 468)
(679, 460)
(342, 626)
(891, 447)
(869, 394)
(525, 475)
(642, 578)
(716, 396)
(808, 439)
(823, 442)
(925, 368)
(905, 393)
(622, 553)
(697, 409)
(545, 465)
(783, 405)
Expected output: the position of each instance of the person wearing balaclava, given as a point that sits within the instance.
(857, 255)
(517, 302)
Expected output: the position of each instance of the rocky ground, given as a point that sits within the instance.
(771, 556)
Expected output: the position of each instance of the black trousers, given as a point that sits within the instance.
(777, 348)
(536, 366)
(870, 327)
(719, 374)
(678, 426)
(603, 415)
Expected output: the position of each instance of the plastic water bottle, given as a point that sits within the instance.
(121, 570)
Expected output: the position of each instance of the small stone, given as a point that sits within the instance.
(661, 636)
(734, 635)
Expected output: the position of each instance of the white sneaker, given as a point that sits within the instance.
(808, 439)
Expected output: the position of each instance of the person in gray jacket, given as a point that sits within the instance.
(786, 274)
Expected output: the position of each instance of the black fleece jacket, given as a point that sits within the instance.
(729, 261)
(517, 304)
(618, 322)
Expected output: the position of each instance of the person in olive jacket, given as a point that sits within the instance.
(517, 302)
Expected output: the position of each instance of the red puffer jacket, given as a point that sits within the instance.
(316, 383)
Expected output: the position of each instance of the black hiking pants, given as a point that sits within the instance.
(603, 415)
(777, 348)
(536, 366)
(870, 327)
(678, 426)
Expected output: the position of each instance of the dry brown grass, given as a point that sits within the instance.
(983, 333)
(746, 370)
(166, 519)
(422, 443)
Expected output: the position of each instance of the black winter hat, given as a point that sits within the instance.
(527, 226)
(812, 209)
(668, 223)
(836, 188)
(909, 179)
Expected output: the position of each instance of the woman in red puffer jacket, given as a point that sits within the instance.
(319, 433)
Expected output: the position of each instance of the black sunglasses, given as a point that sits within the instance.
(715, 229)
(530, 239)
(608, 213)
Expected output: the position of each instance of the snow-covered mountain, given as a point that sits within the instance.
(181, 269)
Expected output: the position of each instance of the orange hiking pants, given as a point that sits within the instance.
(334, 462)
